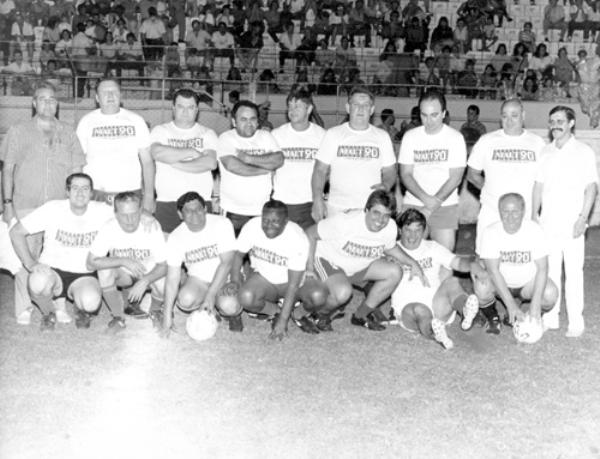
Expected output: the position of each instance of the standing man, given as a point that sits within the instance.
(432, 162)
(68, 228)
(356, 156)
(185, 154)
(116, 143)
(38, 156)
(506, 160)
(565, 190)
(299, 141)
(248, 157)
(129, 256)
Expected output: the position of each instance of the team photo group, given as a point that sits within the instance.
(176, 224)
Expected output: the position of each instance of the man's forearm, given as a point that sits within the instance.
(234, 165)
(159, 271)
(589, 198)
(18, 237)
(450, 185)
(475, 177)
(411, 185)
(539, 285)
(294, 278)
(268, 161)
(171, 289)
(99, 263)
(220, 277)
(7, 181)
(317, 182)
(168, 155)
(196, 166)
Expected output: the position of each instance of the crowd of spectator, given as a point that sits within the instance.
(103, 37)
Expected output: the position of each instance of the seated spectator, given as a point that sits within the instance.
(172, 58)
(108, 48)
(321, 25)
(413, 10)
(554, 18)
(497, 8)
(338, 22)
(233, 78)
(467, 80)
(328, 83)
(594, 20)
(500, 58)
(563, 70)
(194, 61)
(199, 39)
(130, 56)
(267, 83)
(527, 37)
(475, 21)
(430, 73)
(208, 18)
(415, 37)
(457, 64)
(345, 57)
(51, 31)
(388, 119)
(153, 34)
(21, 32)
(530, 89)
(324, 57)
(205, 85)
(64, 24)
(540, 60)
(239, 18)
(442, 65)
(442, 35)
(578, 19)
(46, 54)
(251, 42)
(358, 23)
(63, 48)
(472, 129)
(461, 36)
(489, 34)
(488, 82)
(506, 85)
(305, 53)
(120, 31)
(352, 79)
(288, 43)
(546, 93)
(392, 29)
(226, 16)
(385, 68)
(263, 116)
(272, 18)
(519, 59)
(415, 121)
(223, 44)
(18, 65)
(254, 13)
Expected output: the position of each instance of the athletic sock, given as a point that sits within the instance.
(490, 311)
(115, 301)
(363, 311)
(298, 312)
(45, 304)
(459, 302)
(156, 304)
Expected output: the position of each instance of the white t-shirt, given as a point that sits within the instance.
(432, 155)
(201, 251)
(146, 246)
(510, 164)
(171, 183)
(221, 41)
(356, 159)
(111, 144)
(565, 173)
(346, 242)
(431, 256)
(67, 237)
(239, 194)
(291, 183)
(517, 252)
(272, 258)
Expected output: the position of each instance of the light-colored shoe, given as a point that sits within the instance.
(550, 322)
(440, 335)
(575, 329)
(470, 310)
(24, 318)
(62, 317)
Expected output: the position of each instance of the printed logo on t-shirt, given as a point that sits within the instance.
(516, 257)
(268, 256)
(81, 240)
(113, 132)
(196, 143)
(201, 254)
(134, 254)
(425, 263)
(251, 151)
(299, 153)
(358, 152)
(513, 155)
(434, 155)
(363, 251)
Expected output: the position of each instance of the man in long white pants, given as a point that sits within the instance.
(565, 190)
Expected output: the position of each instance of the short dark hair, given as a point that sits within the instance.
(186, 94)
(474, 107)
(276, 206)
(243, 103)
(300, 93)
(569, 113)
(433, 94)
(189, 197)
(359, 89)
(127, 196)
(382, 197)
(410, 216)
(76, 175)
(385, 113)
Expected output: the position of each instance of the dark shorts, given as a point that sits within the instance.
(445, 217)
(324, 270)
(238, 221)
(301, 214)
(516, 292)
(167, 216)
(67, 278)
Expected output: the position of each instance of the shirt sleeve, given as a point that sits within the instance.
(8, 151)
(332, 227)
(159, 246)
(211, 140)
(541, 172)
(102, 243)
(540, 242)
(458, 151)
(388, 158)
(406, 155)
(81, 134)
(37, 221)
(143, 134)
(488, 249)
(444, 256)
(175, 253)
(227, 242)
(225, 146)
(78, 158)
(157, 135)
(244, 240)
(590, 169)
(269, 142)
(477, 155)
(300, 255)
(328, 148)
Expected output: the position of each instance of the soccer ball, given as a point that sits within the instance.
(227, 300)
(528, 331)
(201, 325)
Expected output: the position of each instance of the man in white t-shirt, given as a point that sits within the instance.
(116, 143)
(205, 245)
(223, 44)
(299, 141)
(515, 251)
(432, 162)
(356, 157)
(69, 227)
(278, 250)
(185, 154)
(427, 309)
(565, 190)
(248, 156)
(504, 161)
(354, 249)
(129, 255)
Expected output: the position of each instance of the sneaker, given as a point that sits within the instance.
(493, 326)
(368, 322)
(379, 316)
(62, 317)
(323, 323)
(135, 311)
(307, 325)
(440, 335)
(575, 329)
(235, 323)
(116, 325)
(82, 319)
(470, 310)
(274, 320)
(480, 320)
(48, 322)
(24, 318)
(506, 321)
(157, 319)
(550, 322)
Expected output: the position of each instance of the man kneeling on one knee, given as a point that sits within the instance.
(515, 253)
